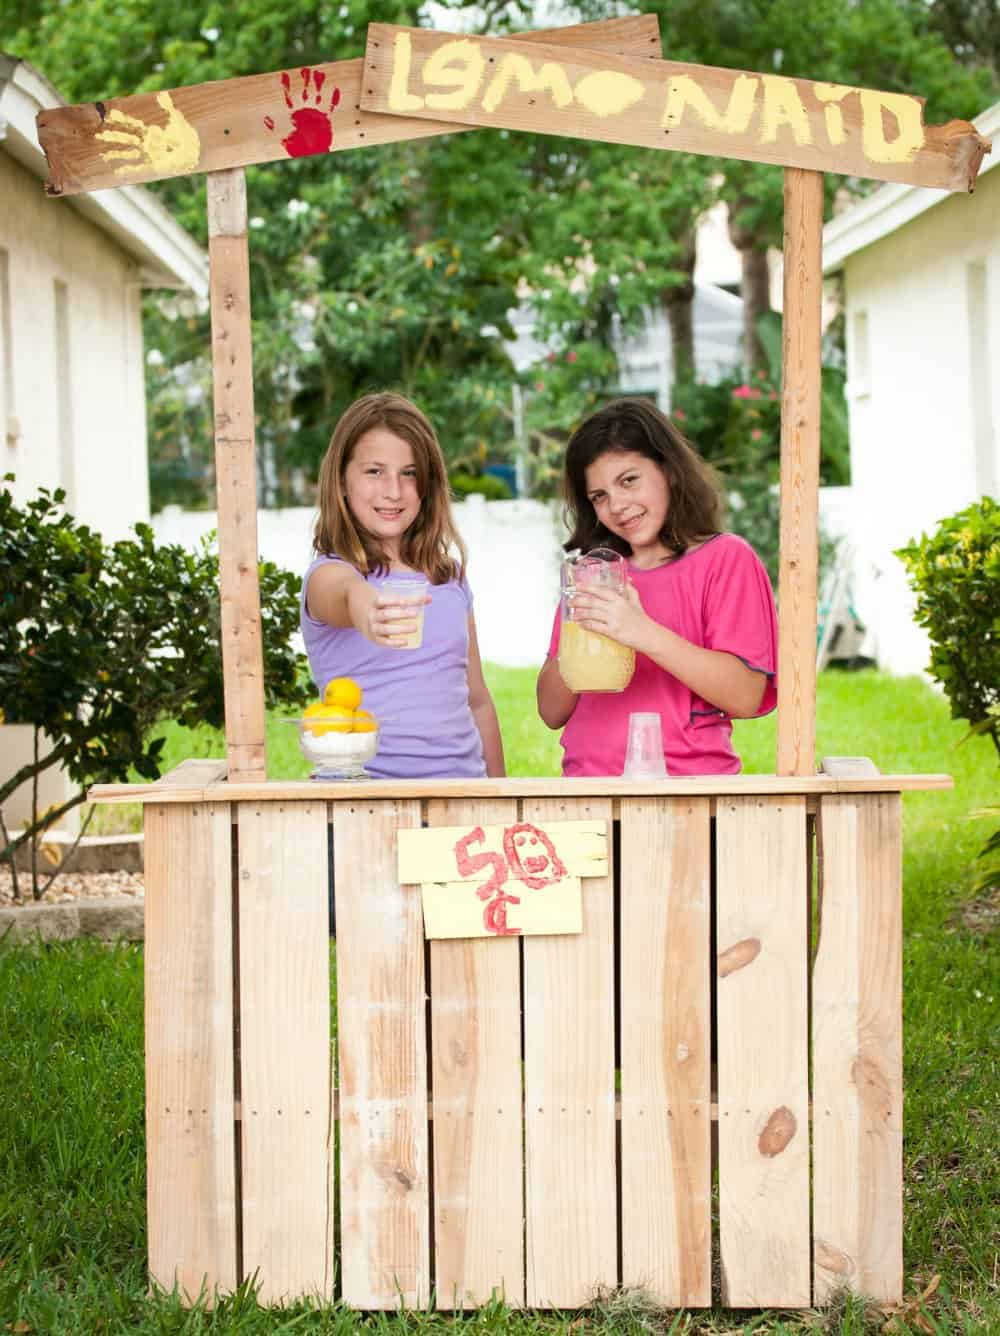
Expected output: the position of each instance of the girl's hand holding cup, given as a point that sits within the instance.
(396, 616)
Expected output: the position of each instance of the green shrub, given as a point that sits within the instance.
(494, 489)
(955, 573)
(100, 641)
(956, 576)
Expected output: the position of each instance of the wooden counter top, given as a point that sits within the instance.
(199, 781)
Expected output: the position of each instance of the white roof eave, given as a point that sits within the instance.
(168, 256)
(893, 205)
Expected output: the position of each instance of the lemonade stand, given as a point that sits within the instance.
(704, 1077)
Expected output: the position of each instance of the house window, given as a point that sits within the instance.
(861, 366)
(9, 427)
(64, 395)
(980, 386)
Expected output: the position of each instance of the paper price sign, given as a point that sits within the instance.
(503, 881)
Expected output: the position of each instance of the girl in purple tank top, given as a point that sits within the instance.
(698, 610)
(384, 514)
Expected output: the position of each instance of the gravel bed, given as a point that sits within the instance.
(69, 886)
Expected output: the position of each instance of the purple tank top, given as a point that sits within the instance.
(419, 696)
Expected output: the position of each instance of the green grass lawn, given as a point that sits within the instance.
(72, 1229)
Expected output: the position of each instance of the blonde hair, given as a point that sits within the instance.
(428, 544)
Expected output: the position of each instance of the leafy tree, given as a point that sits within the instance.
(367, 269)
(611, 234)
(100, 642)
(397, 265)
(971, 29)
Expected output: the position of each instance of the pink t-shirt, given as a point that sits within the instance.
(717, 596)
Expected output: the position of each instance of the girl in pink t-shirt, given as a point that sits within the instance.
(699, 609)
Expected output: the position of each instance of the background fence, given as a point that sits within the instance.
(514, 555)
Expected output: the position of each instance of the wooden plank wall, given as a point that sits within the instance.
(480, 1154)
(762, 963)
(569, 1092)
(475, 991)
(666, 1159)
(857, 1051)
(382, 1047)
(284, 957)
(190, 1111)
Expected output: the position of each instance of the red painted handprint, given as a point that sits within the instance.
(312, 127)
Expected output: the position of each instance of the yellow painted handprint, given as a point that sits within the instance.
(171, 148)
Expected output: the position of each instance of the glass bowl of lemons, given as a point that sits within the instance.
(336, 735)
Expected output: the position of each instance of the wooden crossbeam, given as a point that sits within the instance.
(822, 127)
(295, 113)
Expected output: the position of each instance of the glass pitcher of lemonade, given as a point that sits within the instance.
(588, 661)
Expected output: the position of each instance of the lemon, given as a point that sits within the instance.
(317, 707)
(342, 691)
(365, 722)
(330, 719)
(338, 719)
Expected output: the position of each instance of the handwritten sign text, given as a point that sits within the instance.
(502, 881)
(764, 117)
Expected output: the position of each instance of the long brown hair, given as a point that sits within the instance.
(428, 544)
(695, 510)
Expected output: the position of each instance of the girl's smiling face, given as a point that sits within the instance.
(631, 497)
(380, 483)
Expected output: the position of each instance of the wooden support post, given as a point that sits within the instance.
(236, 475)
(800, 410)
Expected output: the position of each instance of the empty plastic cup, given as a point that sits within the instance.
(644, 755)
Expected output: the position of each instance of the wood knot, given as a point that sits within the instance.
(833, 1259)
(872, 1086)
(778, 1131)
(395, 1178)
(737, 957)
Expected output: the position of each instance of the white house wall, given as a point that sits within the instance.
(923, 335)
(76, 399)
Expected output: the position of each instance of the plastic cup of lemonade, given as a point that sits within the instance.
(412, 590)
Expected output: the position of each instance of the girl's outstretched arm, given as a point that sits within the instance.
(555, 700)
(483, 710)
(338, 595)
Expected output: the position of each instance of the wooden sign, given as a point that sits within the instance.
(262, 118)
(503, 881)
(823, 127)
